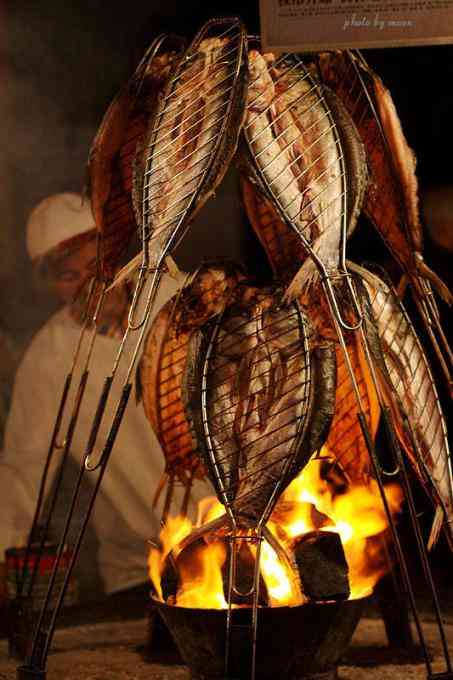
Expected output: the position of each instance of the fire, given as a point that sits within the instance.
(201, 578)
(173, 533)
(310, 503)
(279, 585)
(209, 509)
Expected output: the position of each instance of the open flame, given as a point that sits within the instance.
(201, 578)
(354, 511)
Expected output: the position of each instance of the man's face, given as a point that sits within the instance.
(69, 277)
(72, 272)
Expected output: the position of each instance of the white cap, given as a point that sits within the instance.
(56, 219)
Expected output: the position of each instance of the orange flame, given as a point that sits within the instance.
(201, 578)
(309, 503)
(173, 533)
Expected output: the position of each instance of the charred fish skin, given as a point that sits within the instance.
(408, 388)
(192, 379)
(283, 247)
(160, 372)
(355, 158)
(345, 441)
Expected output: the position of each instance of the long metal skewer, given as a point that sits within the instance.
(69, 437)
(35, 663)
(52, 447)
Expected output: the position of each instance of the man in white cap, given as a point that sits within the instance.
(61, 241)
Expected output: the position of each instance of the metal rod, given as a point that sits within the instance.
(396, 541)
(68, 443)
(105, 456)
(416, 527)
(168, 498)
(40, 499)
(53, 441)
(255, 602)
(186, 497)
(400, 468)
(229, 617)
(427, 322)
(71, 430)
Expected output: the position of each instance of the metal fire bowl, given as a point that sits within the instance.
(293, 642)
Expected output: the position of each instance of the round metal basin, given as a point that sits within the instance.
(292, 643)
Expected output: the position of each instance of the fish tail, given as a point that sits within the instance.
(306, 279)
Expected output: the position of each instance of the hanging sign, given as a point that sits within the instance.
(314, 25)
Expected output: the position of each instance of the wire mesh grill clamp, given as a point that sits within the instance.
(248, 393)
(354, 82)
(390, 422)
(313, 201)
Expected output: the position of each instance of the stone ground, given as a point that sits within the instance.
(114, 651)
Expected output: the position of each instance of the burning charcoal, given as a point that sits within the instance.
(322, 566)
(333, 474)
(169, 580)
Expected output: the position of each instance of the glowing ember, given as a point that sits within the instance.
(310, 503)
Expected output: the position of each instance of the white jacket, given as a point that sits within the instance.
(122, 519)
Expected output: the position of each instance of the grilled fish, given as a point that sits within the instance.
(408, 388)
(299, 139)
(392, 199)
(249, 390)
(163, 360)
(283, 247)
(194, 133)
(345, 441)
(113, 149)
